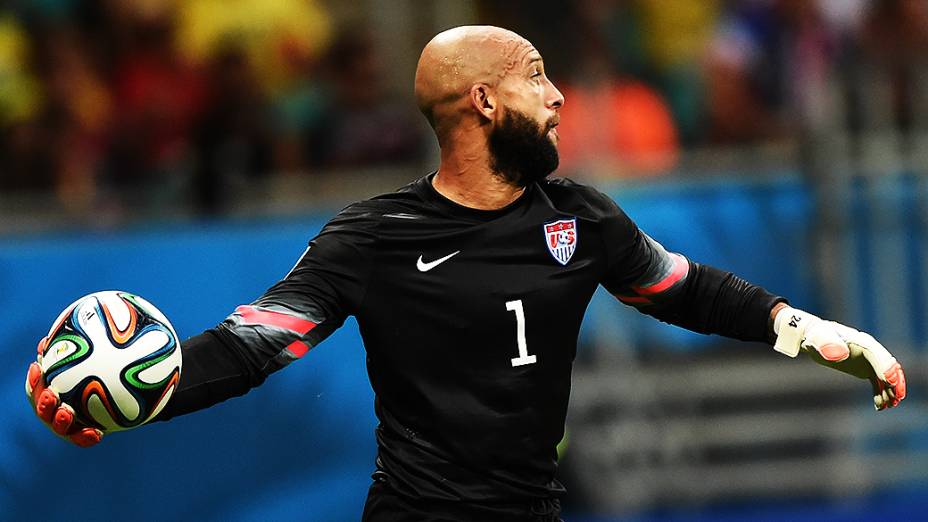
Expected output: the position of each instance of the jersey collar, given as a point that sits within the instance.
(428, 194)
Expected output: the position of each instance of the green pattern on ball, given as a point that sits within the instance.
(82, 349)
(131, 298)
(132, 373)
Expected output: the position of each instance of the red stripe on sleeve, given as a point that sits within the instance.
(680, 269)
(298, 348)
(252, 315)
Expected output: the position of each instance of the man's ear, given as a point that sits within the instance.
(483, 100)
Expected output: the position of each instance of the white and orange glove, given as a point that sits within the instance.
(57, 416)
(842, 348)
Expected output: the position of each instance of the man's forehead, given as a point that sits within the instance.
(530, 55)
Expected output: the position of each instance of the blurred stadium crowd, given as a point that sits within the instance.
(180, 97)
(107, 94)
(643, 78)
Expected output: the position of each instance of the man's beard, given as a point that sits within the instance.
(520, 152)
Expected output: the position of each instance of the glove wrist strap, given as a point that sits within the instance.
(790, 327)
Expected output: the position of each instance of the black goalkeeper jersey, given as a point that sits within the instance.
(470, 320)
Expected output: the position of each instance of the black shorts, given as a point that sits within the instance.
(385, 505)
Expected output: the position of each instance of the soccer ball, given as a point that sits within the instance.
(114, 358)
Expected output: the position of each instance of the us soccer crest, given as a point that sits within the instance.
(561, 238)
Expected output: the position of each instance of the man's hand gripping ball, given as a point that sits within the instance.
(59, 417)
(844, 349)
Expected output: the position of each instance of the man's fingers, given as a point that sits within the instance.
(35, 383)
(895, 378)
(46, 404)
(33, 378)
(881, 401)
(43, 342)
(86, 437)
(58, 416)
(890, 388)
(878, 386)
(62, 420)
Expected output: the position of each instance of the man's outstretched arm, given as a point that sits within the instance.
(708, 300)
(255, 340)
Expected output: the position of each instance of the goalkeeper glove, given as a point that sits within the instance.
(844, 349)
(57, 416)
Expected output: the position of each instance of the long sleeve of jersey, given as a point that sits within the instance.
(323, 288)
(675, 290)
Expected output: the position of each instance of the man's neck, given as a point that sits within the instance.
(482, 192)
(469, 182)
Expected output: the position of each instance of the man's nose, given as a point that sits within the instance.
(557, 100)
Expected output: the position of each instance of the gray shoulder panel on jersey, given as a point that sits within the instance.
(666, 273)
(274, 334)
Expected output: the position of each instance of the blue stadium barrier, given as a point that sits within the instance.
(302, 443)
(301, 446)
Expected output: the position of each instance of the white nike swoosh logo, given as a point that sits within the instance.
(425, 267)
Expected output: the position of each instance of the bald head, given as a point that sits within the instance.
(455, 60)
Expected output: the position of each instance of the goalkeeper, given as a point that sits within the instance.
(469, 286)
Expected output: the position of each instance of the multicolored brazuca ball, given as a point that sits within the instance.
(114, 358)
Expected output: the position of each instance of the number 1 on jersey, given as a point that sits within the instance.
(523, 358)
